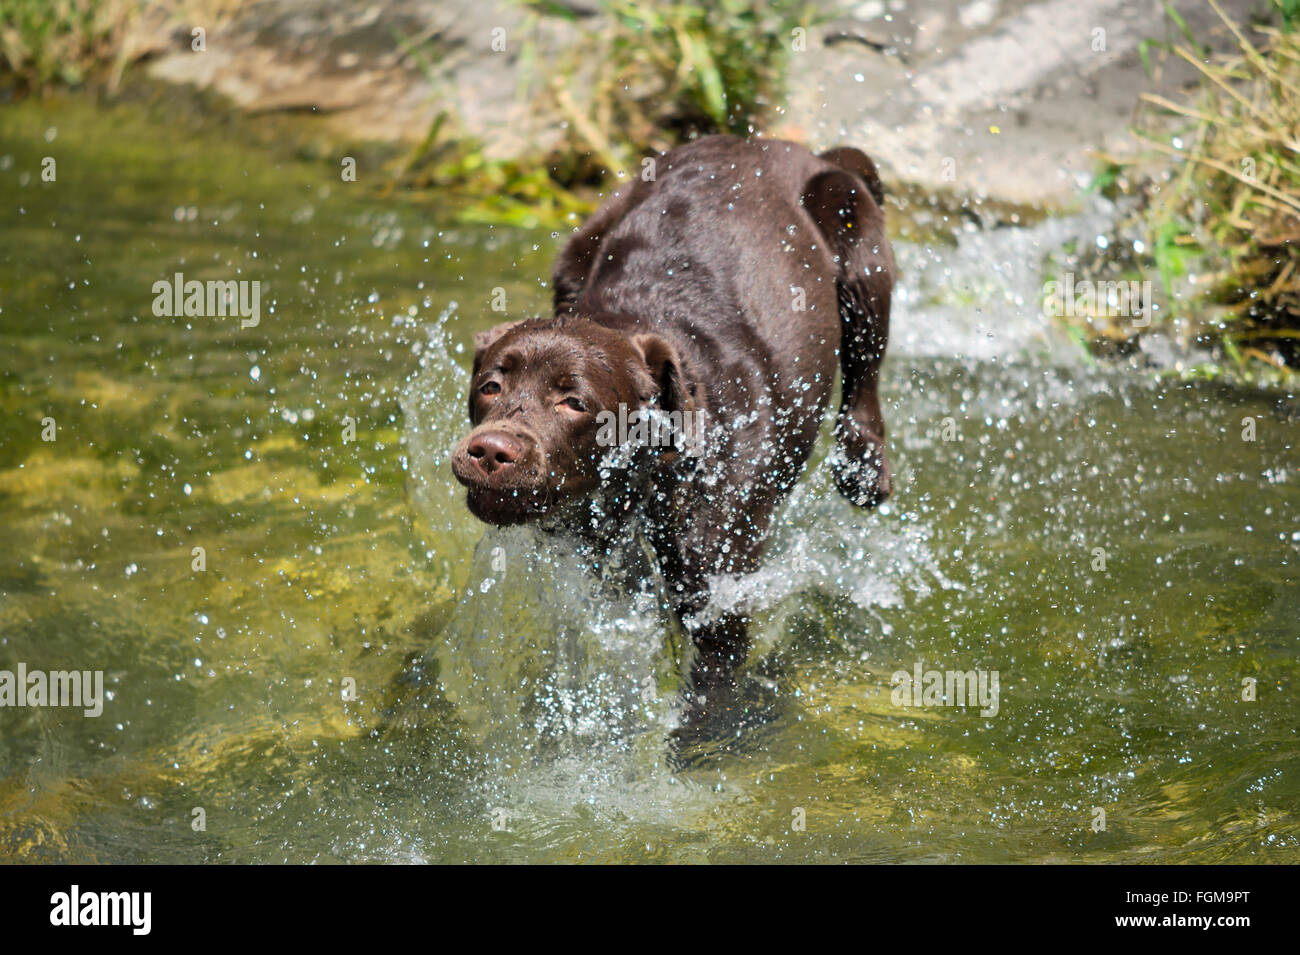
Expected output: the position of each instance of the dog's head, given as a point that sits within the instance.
(536, 400)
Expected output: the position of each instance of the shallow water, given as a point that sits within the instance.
(512, 709)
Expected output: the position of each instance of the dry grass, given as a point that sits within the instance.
(1231, 210)
(641, 78)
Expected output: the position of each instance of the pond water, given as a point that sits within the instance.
(354, 669)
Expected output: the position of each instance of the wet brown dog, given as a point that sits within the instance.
(726, 287)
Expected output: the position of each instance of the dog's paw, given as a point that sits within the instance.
(861, 471)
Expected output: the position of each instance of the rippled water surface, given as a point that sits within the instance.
(1109, 544)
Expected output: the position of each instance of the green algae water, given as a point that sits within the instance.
(311, 652)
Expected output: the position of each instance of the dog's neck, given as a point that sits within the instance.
(637, 487)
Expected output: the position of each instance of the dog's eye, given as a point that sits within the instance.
(574, 404)
(490, 388)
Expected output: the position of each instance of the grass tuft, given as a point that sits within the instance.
(1229, 215)
(49, 42)
(650, 74)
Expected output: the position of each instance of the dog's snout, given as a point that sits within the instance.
(493, 450)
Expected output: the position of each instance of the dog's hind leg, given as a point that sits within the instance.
(846, 205)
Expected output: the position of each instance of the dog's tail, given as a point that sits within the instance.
(859, 163)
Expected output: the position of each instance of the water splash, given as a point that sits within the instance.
(982, 299)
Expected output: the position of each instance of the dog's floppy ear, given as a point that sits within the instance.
(665, 370)
(484, 340)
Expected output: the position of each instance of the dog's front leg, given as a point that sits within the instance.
(710, 543)
(721, 647)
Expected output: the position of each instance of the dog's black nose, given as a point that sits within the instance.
(493, 450)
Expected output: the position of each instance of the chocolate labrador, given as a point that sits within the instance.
(700, 316)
